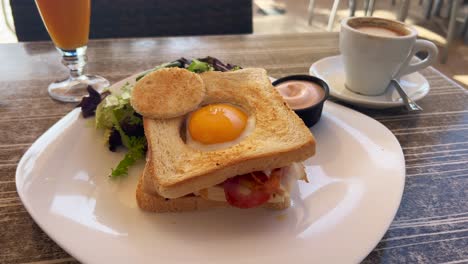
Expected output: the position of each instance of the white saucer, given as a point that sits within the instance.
(330, 69)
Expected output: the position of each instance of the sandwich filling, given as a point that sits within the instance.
(255, 188)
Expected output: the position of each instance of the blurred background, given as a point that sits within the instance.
(444, 22)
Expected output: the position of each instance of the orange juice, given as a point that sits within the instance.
(67, 21)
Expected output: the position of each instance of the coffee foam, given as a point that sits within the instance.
(397, 28)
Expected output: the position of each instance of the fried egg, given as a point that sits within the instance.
(218, 126)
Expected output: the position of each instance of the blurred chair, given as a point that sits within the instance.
(146, 18)
(465, 29)
(428, 11)
(403, 10)
(9, 25)
(368, 10)
(369, 6)
(453, 12)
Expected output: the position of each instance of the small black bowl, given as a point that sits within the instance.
(310, 115)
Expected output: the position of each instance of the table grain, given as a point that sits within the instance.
(431, 225)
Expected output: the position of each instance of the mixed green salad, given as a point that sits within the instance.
(122, 125)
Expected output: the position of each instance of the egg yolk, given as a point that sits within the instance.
(217, 123)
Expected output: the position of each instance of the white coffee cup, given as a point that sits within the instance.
(376, 50)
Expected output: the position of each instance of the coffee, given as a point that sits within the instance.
(379, 27)
(379, 31)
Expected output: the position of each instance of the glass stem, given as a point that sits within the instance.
(75, 60)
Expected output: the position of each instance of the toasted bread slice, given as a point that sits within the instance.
(278, 139)
(185, 88)
(155, 203)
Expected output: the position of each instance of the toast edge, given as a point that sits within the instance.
(154, 203)
(218, 175)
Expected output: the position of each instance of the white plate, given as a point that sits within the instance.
(330, 69)
(356, 183)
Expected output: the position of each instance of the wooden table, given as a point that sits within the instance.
(431, 225)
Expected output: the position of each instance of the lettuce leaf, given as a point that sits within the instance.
(113, 102)
(124, 127)
(136, 145)
(219, 65)
(177, 63)
(199, 66)
(136, 151)
(89, 103)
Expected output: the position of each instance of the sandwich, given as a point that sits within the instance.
(218, 139)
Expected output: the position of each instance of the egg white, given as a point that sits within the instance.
(210, 147)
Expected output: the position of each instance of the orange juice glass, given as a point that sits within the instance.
(67, 22)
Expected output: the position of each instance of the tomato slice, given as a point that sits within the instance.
(252, 189)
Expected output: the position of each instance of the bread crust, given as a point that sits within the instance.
(167, 93)
(155, 203)
(218, 174)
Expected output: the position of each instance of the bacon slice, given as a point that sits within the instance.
(252, 189)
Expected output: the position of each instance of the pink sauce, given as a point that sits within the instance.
(300, 94)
